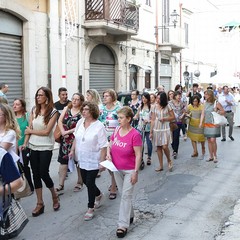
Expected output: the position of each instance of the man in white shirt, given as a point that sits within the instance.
(227, 101)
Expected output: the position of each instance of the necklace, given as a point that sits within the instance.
(86, 129)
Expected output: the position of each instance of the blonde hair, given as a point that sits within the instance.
(10, 119)
(95, 95)
(210, 93)
(112, 93)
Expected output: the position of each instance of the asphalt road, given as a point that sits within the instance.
(192, 202)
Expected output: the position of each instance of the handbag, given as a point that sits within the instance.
(217, 118)
(57, 134)
(13, 218)
(25, 190)
(173, 126)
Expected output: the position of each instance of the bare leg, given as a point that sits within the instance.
(210, 148)
(203, 148)
(79, 181)
(194, 144)
(62, 174)
(160, 156)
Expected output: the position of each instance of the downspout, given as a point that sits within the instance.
(80, 69)
(180, 71)
(49, 81)
(63, 44)
(157, 49)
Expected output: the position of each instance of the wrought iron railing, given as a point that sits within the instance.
(118, 12)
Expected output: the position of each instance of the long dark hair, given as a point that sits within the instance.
(163, 99)
(49, 104)
(147, 96)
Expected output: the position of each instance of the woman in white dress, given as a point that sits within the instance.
(162, 115)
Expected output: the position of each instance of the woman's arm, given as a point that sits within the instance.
(15, 185)
(138, 158)
(202, 117)
(47, 130)
(220, 108)
(108, 156)
(137, 114)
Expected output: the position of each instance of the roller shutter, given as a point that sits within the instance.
(166, 82)
(101, 77)
(11, 65)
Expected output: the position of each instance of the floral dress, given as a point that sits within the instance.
(69, 122)
(134, 107)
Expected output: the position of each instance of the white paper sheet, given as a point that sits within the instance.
(109, 165)
(71, 165)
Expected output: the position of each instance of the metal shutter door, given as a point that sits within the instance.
(101, 77)
(11, 65)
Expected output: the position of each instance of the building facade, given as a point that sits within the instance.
(86, 44)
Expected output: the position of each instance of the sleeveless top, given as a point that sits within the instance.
(41, 143)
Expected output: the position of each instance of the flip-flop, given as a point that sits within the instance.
(78, 187)
(112, 196)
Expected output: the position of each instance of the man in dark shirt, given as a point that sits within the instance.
(63, 99)
(194, 92)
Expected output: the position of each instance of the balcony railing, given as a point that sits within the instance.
(119, 12)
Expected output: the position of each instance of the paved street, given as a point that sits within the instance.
(192, 202)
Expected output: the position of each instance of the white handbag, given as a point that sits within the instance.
(217, 118)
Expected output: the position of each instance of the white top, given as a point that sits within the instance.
(89, 143)
(40, 143)
(10, 137)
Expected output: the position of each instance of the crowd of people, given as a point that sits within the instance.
(95, 128)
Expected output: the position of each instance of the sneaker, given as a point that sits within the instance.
(98, 201)
(223, 140)
(231, 138)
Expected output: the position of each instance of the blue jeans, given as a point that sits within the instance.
(176, 135)
(149, 144)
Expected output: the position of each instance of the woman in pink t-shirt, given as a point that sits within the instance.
(125, 150)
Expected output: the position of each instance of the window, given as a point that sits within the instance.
(148, 53)
(148, 3)
(133, 51)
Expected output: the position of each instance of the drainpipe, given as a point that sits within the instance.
(180, 72)
(80, 69)
(63, 44)
(49, 83)
(157, 49)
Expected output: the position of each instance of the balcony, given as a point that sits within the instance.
(111, 17)
(172, 40)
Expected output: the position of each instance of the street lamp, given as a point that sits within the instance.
(174, 17)
(189, 77)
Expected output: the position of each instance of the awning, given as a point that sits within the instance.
(144, 67)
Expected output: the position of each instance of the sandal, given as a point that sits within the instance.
(121, 233)
(194, 155)
(159, 169)
(215, 159)
(149, 161)
(112, 196)
(78, 187)
(109, 189)
(98, 201)
(39, 209)
(56, 203)
(60, 188)
(209, 160)
(89, 214)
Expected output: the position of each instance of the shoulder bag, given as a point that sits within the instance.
(25, 190)
(13, 218)
(217, 118)
(57, 134)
